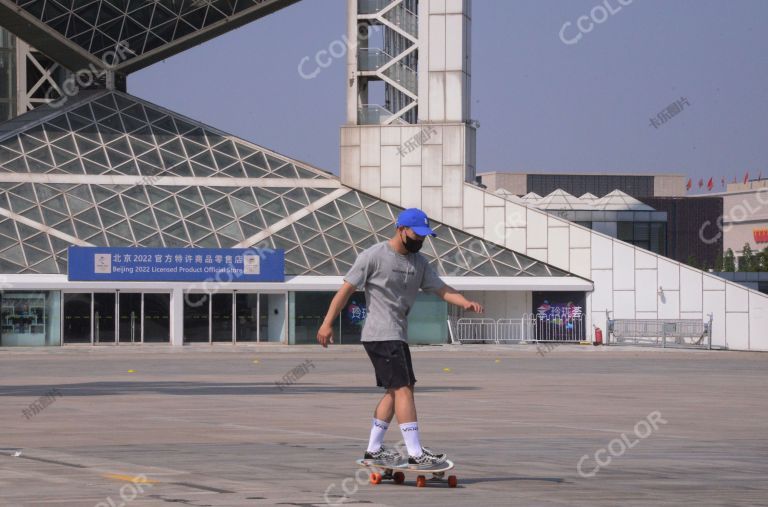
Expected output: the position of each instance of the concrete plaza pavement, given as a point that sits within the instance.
(208, 426)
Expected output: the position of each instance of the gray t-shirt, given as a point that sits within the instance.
(391, 282)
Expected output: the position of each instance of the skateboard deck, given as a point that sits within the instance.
(397, 473)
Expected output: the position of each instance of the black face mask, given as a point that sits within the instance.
(412, 245)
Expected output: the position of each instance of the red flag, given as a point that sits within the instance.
(710, 184)
(746, 177)
(689, 184)
(701, 182)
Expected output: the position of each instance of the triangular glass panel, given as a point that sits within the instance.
(186, 207)
(209, 241)
(140, 147)
(202, 171)
(153, 241)
(196, 232)
(200, 218)
(141, 231)
(251, 171)
(145, 217)
(297, 194)
(173, 242)
(85, 230)
(254, 219)
(347, 210)
(286, 171)
(232, 231)
(14, 254)
(259, 160)
(191, 194)
(218, 220)
(120, 229)
(177, 230)
(73, 167)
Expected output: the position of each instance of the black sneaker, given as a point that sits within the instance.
(384, 456)
(427, 459)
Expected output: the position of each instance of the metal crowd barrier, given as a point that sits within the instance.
(682, 333)
(476, 330)
(529, 328)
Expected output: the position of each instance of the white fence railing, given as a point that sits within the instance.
(529, 328)
(685, 333)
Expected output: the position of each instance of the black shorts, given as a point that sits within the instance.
(392, 363)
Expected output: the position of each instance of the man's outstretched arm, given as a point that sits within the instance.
(325, 333)
(451, 295)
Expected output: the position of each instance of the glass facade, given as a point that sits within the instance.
(649, 235)
(109, 318)
(427, 320)
(7, 75)
(97, 26)
(30, 318)
(138, 159)
(222, 317)
(598, 184)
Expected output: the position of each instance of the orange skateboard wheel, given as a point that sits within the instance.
(452, 481)
(421, 481)
(375, 478)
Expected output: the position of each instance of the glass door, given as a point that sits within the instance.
(129, 323)
(77, 317)
(157, 322)
(221, 317)
(104, 317)
(247, 311)
(196, 318)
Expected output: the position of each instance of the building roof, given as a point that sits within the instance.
(84, 33)
(110, 169)
(561, 200)
(508, 195)
(620, 201)
(585, 173)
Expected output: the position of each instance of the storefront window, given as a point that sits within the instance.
(307, 313)
(30, 318)
(426, 321)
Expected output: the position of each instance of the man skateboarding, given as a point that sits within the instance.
(391, 273)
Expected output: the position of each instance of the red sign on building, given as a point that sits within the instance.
(761, 235)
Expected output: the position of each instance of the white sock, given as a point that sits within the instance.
(410, 433)
(378, 429)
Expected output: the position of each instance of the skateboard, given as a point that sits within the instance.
(397, 473)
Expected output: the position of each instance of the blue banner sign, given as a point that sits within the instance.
(175, 264)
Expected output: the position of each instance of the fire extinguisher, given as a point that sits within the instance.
(598, 336)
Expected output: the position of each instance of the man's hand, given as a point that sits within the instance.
(473, 306)
(325, 335)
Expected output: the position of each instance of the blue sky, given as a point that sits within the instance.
(543, 106)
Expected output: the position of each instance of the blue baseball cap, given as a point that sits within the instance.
(417, 220)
